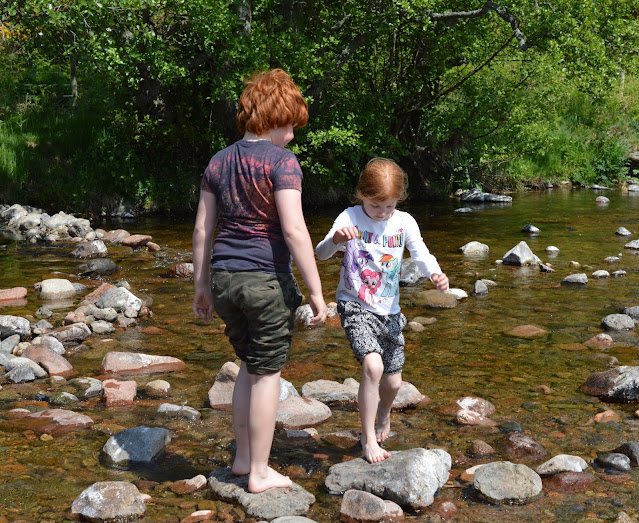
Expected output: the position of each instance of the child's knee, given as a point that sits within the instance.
(373, 366)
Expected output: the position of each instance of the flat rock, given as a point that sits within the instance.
(53, 421)
(52, 362)
(436, 300)
(109, 501)
(331, 392)
(569, 482)
(504, 482)
(527, 331)
(409, 478)
(136, 363)
(135, 241)
(56, 289)
(299, 413)
(270, 504)
(16, 293)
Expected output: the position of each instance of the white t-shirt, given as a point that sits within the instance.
(372, 262)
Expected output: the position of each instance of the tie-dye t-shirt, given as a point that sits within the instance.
(244, 178)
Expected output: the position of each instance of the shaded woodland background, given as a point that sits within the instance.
(110, 102)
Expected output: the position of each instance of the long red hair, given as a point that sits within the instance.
(270, 100)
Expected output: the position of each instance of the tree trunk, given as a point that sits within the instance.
(74, 82)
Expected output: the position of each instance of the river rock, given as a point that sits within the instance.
(360, 506)
(437, 300)
(120, 299)
(600, 274)
(480, 449)
(634, 244)
(521, 447)
(505, 482)
(527, 331)
(622, 231)
(575, 279)
(137, 363)
(186, 486)
(614, 460)
(618, 322)
(94, 296)
(86, 387)
(8, 344)
(480, 288)
(102, 327)
(520, 254)
(109, 314)
(474, 248)
(407, 397)
(562, 463)
(53, 421)
(619, 384)
(10, 325)
(115, 235)
(300, 413)
(138, 445)
(170, 411)
(568, 482)
(551, 249)
(410, 274)
(118, 393)
(331, 392)
(135, 241)
(50, 343)
(459, 294)
(602, 200)
(53, 363)
(344, 439)
(157, 389)
(11, 362)
(109, 501)
(468, 417)
(530, 229)
(470, 403)
(56, 289)
(90, 249)
(463, 210)
(270, 504)
(410, 478)
(182, 270)
(75, 332)
(16, 293)
(98, 267)
(221, 393)
(630, 449)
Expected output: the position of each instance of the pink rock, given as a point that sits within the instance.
(527, 331)
(53, 363)
(74, 317)
(470, 403)
(186, 486)
(153, 247)
(606, 416)
(221, 393)
(116, 393)
(200, 515)
(136, 363)
(600, 341)
(94, 296)
(53, 421)
(136, 240)
(468, 417)
(17, 293)
(115, 236)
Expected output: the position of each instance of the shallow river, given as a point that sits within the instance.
(465, 352)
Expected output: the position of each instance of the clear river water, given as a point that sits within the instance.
(465, 352)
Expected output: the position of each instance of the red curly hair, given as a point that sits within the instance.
(382, 179)
(270, 100)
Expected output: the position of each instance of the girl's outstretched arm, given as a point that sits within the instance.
(205, 222)
(298, 240)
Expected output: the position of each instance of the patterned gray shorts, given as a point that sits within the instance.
(369, 332)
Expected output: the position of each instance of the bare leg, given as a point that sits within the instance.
(265, 390)
(387, 391)
(368, 398)
(241, 398)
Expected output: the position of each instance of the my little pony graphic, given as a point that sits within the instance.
(354, 261)
(371, 280)
(390, 266)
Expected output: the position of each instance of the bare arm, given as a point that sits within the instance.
(205, 222)
(298, 240)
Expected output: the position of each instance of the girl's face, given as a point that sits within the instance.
(282, 135)
(379, 211)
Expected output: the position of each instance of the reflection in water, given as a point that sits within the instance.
(466, 351)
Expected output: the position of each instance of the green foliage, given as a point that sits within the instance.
(455, 99)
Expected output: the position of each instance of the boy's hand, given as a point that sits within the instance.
(345, 234)
(441, 281)
(203, 305)
(318, 306)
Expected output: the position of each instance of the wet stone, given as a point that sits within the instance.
(270, 504)
(569, 482)
(138, 445)
(109, 501)
(506, 482)
(614, 460)
(520, 447)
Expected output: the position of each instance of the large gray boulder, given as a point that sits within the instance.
(620, 384)
(410, 478)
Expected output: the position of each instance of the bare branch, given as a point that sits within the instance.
(487, 7)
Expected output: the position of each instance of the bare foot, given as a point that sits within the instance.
(382, 427)
(373, 452)
(271, 479)
(240, 467)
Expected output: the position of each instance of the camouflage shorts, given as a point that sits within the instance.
(259, 311)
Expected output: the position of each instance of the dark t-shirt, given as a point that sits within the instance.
(244, 178)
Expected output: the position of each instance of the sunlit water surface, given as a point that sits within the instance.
(465, 352)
